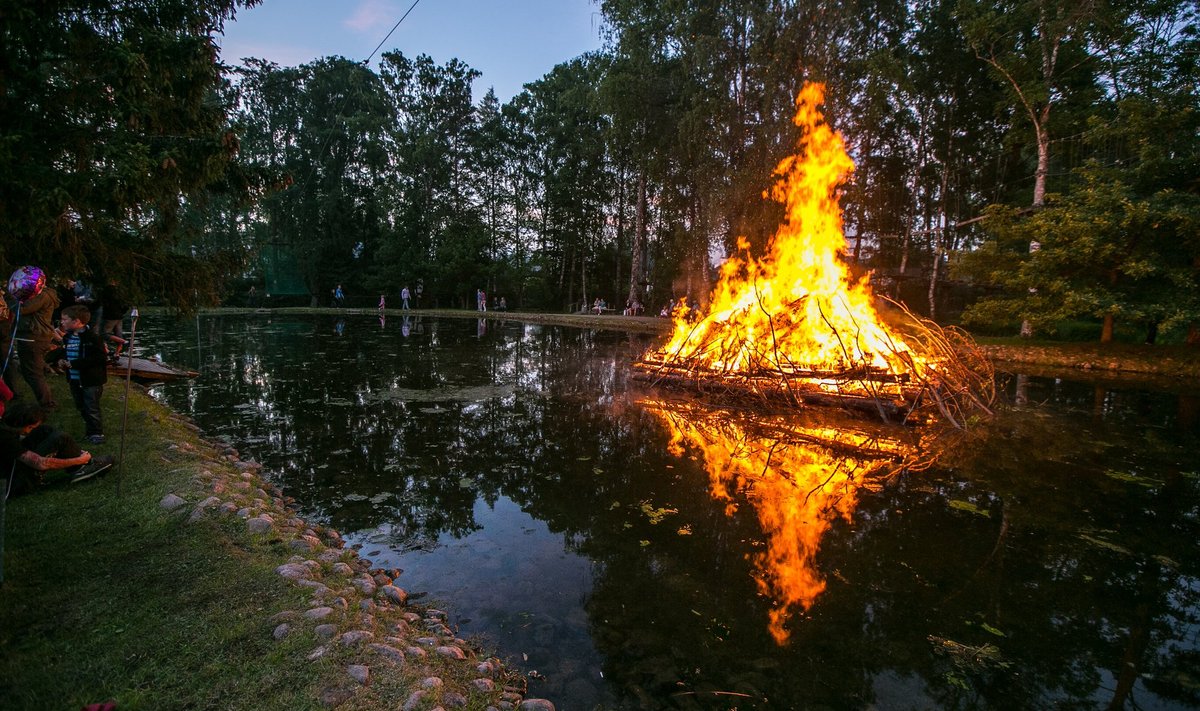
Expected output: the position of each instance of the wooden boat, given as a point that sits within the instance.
(147, 370)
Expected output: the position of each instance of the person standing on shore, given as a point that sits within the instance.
(404, 296)
(34, 334)
(85, 359)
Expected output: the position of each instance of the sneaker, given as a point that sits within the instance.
(96, 439)
(99, 466)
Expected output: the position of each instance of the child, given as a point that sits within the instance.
(83, 354)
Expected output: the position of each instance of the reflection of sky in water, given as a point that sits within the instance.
(533, 582)
(508, 473)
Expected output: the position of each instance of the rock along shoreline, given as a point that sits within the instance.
(355, 612)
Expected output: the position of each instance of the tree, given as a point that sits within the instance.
(111, 123)
(1119, 242)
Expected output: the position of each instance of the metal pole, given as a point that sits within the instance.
(128, 375)
(3, 508)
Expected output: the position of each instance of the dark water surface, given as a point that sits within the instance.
(629, 553)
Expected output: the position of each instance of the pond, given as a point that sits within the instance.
(625, 549)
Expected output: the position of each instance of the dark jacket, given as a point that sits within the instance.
(92, 362)
(35, 316)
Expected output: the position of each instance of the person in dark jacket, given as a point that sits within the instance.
(85, 359)
(114, 307)
(34, 335)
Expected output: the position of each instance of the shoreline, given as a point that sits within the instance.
(343, 628)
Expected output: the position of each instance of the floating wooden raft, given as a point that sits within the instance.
(147, 370)
(862, 389)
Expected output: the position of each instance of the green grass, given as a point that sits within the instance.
(108, 597)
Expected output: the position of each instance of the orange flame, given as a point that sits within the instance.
(797, 307)
(800, 478)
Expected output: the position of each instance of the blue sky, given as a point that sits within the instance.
(511, 41)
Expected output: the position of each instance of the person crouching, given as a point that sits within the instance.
(30, 449)
(85, 359)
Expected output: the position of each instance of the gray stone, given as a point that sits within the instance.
(359, 673)
(228, 507)
(293, 571)
(431, 682)
(485, 685)
(318, 613)
(333, 556)
(170, 502)
(325, 631)
(395, 594)
(366, 605)
(365, 585)
(414, 700)
(415, 652)
(244, 512)
(354, 637)
(332, 698)
(340, 602)
(317, 653)
(486, 668)
(342, 568)
(282, 630)
(300, 544)
(427, 641)
(454, 700)
(388, 652)
(260, 524)
(536, 705)
(451, 652)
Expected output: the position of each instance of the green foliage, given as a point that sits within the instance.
(111, 129)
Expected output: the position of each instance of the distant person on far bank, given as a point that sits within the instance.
(503, 305)
(404, 297)
(339, 297)
(29, 449)
(480, 300)
(85, 359)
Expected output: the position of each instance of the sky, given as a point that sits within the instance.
(512, 42)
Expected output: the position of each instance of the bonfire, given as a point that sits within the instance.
(794, 327)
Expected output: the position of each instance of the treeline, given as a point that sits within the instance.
(1043, 152)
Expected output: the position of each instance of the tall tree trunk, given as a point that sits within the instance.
(1106, 331)
(636, 275)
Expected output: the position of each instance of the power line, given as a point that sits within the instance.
(389, 34)
(313, 169)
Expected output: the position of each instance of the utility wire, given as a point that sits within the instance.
(389, 34)
(346, 96)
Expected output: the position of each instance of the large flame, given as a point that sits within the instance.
(797, 308)
(800, 477)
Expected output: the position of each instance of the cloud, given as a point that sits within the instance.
(370, 14)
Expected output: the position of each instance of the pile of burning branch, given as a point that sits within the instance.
(793, 327)
(927, 372)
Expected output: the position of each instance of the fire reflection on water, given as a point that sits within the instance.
(800, 474)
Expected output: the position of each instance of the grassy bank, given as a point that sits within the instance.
(108, 595)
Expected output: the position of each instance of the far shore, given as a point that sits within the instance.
(1051, 358)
